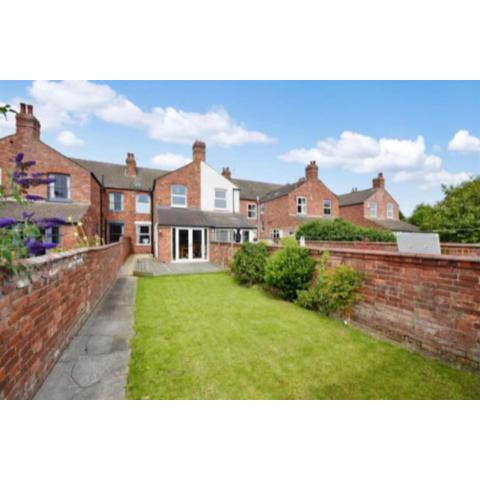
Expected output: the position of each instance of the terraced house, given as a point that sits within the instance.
(176, 215)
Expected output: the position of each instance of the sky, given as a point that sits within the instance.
(419, 134)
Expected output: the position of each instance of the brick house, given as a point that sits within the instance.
(175, 215)
(373, 207)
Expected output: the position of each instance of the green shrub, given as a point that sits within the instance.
(289, 269)
(335, 291)
(340, 230)
(248, 265)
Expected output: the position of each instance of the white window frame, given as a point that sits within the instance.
(254, 215)
(111, 201)
(373, 206)
(137, 203)
(301, 205)
(390, 211)
(327, 204)
(277, 235)
(178, 195)
(137, 234)
(51, 187)
(223, 191)
(225, 234)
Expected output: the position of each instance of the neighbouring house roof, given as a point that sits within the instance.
(190, 217)
(113, 175)
(355, 197)
(395, 225)
(250, 190)
(45, 210)
(282, 191)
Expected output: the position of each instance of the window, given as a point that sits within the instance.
(327, 208)
(245, 236)
(390, 210)
(60, 188)
(301, 205)
(252, 210)
(262, 208)
(276, 234)
(116, 201)
(372, 210)
(115, 231)
(52, 235)
(220, 198)
(179, 195)
(222, 235)
(143, 203)
(143, 233)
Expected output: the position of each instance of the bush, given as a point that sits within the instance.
(335, 291)
(340, 230)
(248, 265)
(289, 270)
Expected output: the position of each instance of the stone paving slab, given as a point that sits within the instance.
(149, 266)
(95, 364)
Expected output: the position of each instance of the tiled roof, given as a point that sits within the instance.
(112, 175)
(396, 225)
(250, 190)
(61, 210)
(283, 190)
(355, 197)
(190, 217)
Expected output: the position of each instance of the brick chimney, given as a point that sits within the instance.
(379, 181)
(198, 151)
(227, 173)
(131, 169)
(311, 171)
(28, 126)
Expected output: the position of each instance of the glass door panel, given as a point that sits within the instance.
(196, 244)
(183, 244)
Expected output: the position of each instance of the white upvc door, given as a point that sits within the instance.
(189, 244)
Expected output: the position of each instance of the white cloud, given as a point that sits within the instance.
(69, 139)
(361, 153)
(70, 102)
(431, 179)
(7, 125)
(170, 160)
(462, 141)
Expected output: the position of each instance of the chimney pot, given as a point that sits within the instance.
(227, 173)
(379, 181)
(30, 109)
(27, 125)
(311, 171)
(131, 165)
(199, 151)
(23, 108)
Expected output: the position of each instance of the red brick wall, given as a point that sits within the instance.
(189, 175)
(221, 254)
(164, 250)
(356, 214)
(128, 217)
(244, 210)
(428, 301)
(38, 319)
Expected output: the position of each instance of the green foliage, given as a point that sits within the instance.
(248, 265)
(336, 289)
(457, 217)
(289, 269)
(340, 230)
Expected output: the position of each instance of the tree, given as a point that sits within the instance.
(457, 217)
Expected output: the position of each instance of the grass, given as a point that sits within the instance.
(205, 337)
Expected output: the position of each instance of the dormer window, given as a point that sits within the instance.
(220, 198)
(372, 209)
(179, 195)
(302, 205)
(60, 188)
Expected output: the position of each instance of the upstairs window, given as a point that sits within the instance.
(60, 188)
(302, 205)
(252, 210)
(327, 208)
(115, 201)
(372, 210)
(179, 195)
(390, 210)
(143, 203)
(220, 198)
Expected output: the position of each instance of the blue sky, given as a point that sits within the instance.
(420, 134)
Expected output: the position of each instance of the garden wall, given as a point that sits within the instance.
(221, 253)
(430, 301)
(39, 318)
(462, 249)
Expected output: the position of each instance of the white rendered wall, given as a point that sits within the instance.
(210, 180)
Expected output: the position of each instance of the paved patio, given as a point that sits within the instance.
(148, 266)
(95, 364)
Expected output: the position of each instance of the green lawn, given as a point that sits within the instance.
(205, 337)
